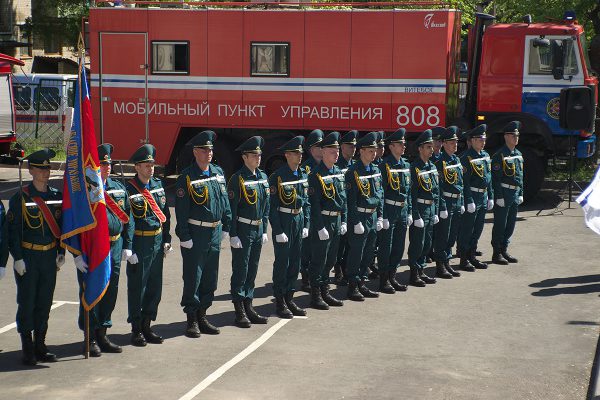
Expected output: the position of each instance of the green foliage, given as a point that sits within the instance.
(59, 19)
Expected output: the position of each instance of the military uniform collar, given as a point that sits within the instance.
(151, 182)
(245, 172)
(34, 192)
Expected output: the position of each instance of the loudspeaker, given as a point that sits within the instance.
(577, 108)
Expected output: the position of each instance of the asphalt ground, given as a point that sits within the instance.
(523, 331)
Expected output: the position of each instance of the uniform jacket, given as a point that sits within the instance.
(476, 174)
(116, 190)
(450, 172)
(288, 190)
(248, 198)
(368, 195)
(424, 185)
(395, 177)
(507, 169)
(327, 192)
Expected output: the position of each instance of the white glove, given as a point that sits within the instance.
(436, 219)
(379, 224)
(462, 209)
(125, 254)
(419, 223)
(133, 259)
(500, 202)
(343, 228)
(490, 204)
(359, 229)
(409, 220)
(282, 237)
(304, 233)
(519, 200)
(235, 242)
(167, 248)
(19, 267)
(188, 244)
(2, 272)
(81, 264)
(444, 214)
(265, 238)
(224, 236)
(323, 234)
(471, 208)
(60, 261)
(386, 224)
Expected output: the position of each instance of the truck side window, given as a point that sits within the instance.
(22, 97)
(49, 98)
(540, 58)
(270, 59)
(170, 57)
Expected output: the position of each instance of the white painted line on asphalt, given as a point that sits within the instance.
(55, 305)
(231, 363)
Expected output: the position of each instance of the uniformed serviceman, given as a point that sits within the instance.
(507, 178)
(436, 135)
(150, 243)
(373, 266)
(289, 216)
(347, 151)
(327, 196)
(118, 213)
(203, 221)
(3, 241)
(478, 197)
(34, 221)
(451, 203)
(249, 200)
(314, 158)
(397, 210)
(365, 216)
(425, 203)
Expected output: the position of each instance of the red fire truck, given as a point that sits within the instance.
(161, 75)
(7, 109)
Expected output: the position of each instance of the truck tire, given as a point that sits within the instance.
(534, 172)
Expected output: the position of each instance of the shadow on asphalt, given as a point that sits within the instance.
(585, 282)
(11, 360)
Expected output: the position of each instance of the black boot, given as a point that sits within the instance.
(385, 285)
(28, 350)
(507, 256)
(353, 293)
(293, 307)
(415, 279)
(192, 330)
(241, 321)
(426, 278)
(94, 348)
(476, 263)
(465, 264)
(149, 334)
(451, 270)
(328, 298)
(365, 291)
(305, 287)
(205, 326)
(395, 284)
(41, 351)
(137, 339)
(440, 270)
(105, 344)
(498, 258)
(253, 316)
(282, 309)
(316, 301)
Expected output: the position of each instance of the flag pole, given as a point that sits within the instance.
(87, 333)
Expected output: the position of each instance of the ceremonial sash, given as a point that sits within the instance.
(115, 209)
(48, 216)
(148, 196)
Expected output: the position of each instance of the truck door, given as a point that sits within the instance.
(123, 84)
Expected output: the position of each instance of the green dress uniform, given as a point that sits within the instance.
(478, 194)
(34, 221)
(425, 203)
(249, 201)
(365, 210)
(289, 215)
(144, 277)
(397, 206)
(313, 139)
(451, 206)
(327, 196)
(203, 220)
(507, 179)
(3, 240)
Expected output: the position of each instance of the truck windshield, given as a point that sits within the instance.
(540, 58)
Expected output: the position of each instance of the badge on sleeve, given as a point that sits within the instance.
(180, 192)
(272, 190)
(230, 195)
(496, 167)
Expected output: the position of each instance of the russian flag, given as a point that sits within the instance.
(84, 221)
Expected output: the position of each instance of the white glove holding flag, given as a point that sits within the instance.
(323, 234)
(81, 264)
(282, 238)
(235, 242)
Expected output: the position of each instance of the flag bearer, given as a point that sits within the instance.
(289, 216)
(328, 221)
(425, 201)
(151, 240)
(365, 216)
(249, 200)
(395, 177)
(478, 197)
(507, 178)
(451, 203)
(34, 220)
(203, 220)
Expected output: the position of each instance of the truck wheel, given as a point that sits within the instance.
(534, 172)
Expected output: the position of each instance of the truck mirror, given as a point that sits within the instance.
(541, 42)
(558, 65)
(577, 108)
